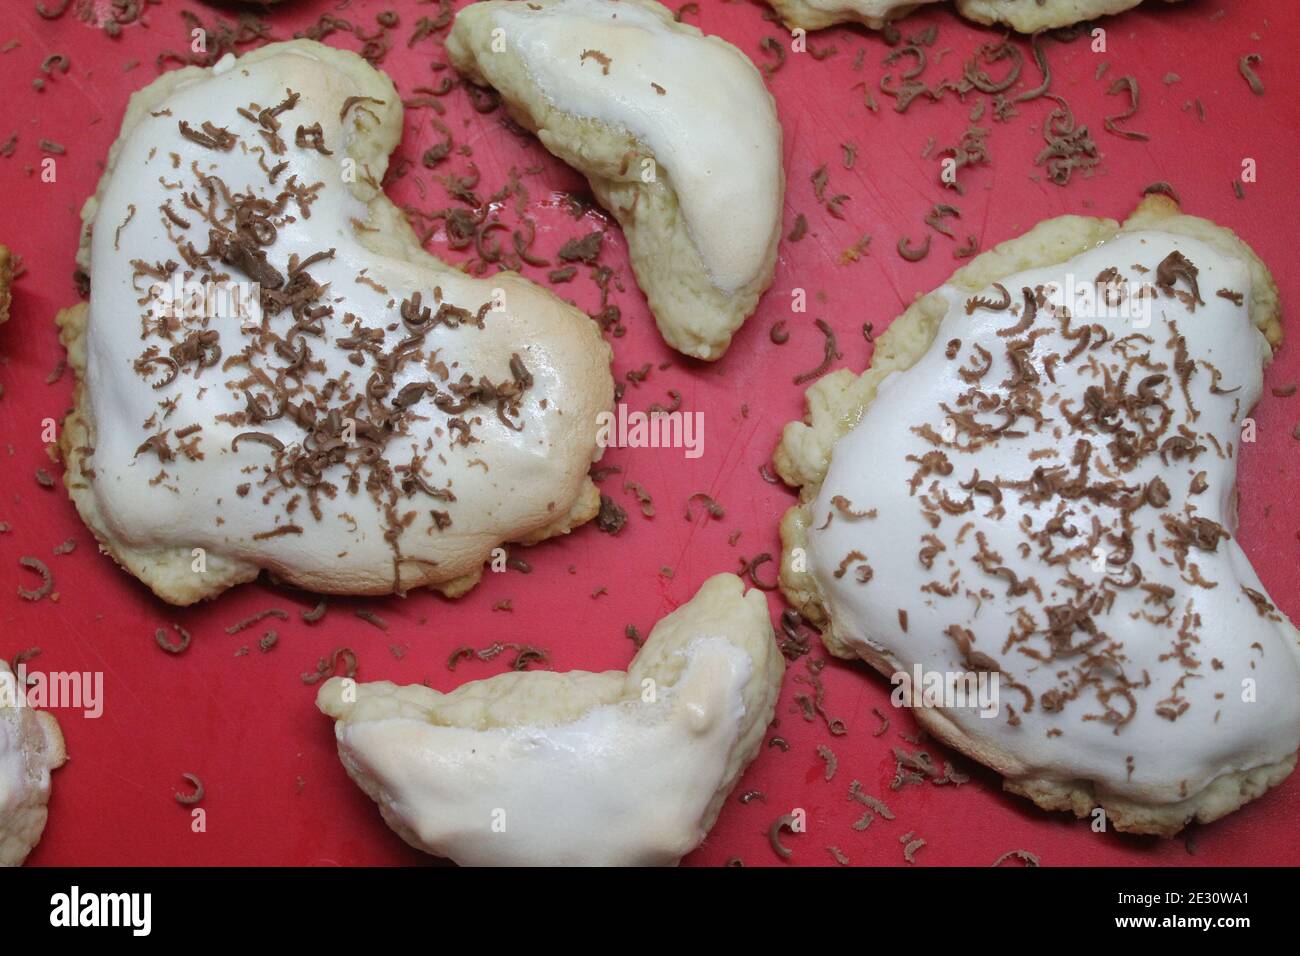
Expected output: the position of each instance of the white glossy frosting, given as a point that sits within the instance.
(16, 784)
(713, 128)
(505, 481)
(626, 783)
(24, 771)
(1151, 757)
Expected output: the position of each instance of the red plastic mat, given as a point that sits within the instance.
(247, 725)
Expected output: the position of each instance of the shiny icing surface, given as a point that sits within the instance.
(24, 778)
(695, 101)
(15, 783)
(399, 410)
(1051, 497)
(626, 783)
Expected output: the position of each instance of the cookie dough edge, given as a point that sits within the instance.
(1023, 17)
(1033, 17)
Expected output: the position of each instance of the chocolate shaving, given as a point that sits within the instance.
(611, 517)
(371, 618)
(1130, 84)
(993, 305)
(1246, 65)
(715, 510)
(325, 667)
(1164, 189)
(1029, 859)
(911, 254)
(748, 568)
(259, 616)
(189, 799)
(785, 822)
(47, 579)
(180, 646)
(830, 352)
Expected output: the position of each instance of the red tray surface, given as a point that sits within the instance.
(276, 793)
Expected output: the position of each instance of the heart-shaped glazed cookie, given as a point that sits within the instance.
(272, 374)
(1024, 513)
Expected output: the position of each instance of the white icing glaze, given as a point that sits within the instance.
(519, 477)
(727, 175)
(625, 784)
(1170, 759)
(15, 782)
(24, 773)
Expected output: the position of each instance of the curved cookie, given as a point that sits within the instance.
(1049, 501)
(623, 93)
(1024, 16)
(399, 419)
(31, 745)
(574, 768)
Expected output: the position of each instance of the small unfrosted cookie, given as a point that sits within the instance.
(272, 374)
(1025, 16)
(1029, 498)
(574, 768)
(674, 130)
(31, 745)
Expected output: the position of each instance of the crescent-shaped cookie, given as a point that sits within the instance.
(575, 768)
(1033, 486)
(273, 374)
(674, 130)
(31, 746)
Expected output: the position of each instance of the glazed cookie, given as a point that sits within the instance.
(816, 14)
(31, 745)
(575, 768)
(1025, 16)
(1033, 485)
(6, 281)
(272, 374)
(674, 130)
